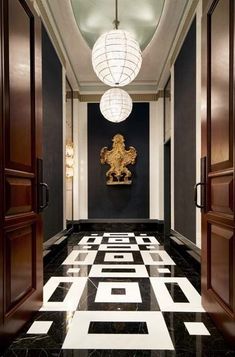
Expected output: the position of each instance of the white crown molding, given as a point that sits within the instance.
(43, 9)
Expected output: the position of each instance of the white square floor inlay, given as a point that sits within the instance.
(165, 301)
(94, 234)
(86, 247)
(118, 240)
(163, 270)
(146, 240)
(152, 247)
(158, 337)
(39, 327)
(156, 257)
(118, 257)
(90, 240)
(117, 247)
(119, 271)
(121, 234)
(143, 234)
(197, 328)
(118, 292)
(76, 257)
(73, 270)
(72, 297)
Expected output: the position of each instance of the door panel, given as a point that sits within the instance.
(218, 242)
(221, 240)
(221, 153)
(18, 195)
(21, 29)
(21, 231)
(19, 261)
(222, 194)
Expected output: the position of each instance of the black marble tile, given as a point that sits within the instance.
(185, 344)
(39, 352)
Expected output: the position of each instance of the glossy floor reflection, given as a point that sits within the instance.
(120, 294)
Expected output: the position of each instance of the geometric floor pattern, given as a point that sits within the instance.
(120, 294)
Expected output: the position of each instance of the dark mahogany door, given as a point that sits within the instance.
(218, 242)
(20, 223)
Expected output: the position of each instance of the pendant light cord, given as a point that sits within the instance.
(116, 22)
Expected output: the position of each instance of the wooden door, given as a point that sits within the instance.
(218, 242)
(20, 143)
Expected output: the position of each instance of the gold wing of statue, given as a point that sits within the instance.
(103, 155)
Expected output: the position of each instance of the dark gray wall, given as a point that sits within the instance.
(118, 201)
(185, 137)
(52, 137)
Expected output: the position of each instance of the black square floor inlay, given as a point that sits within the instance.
(176, 292)
(116, 291)
(156, 257)
(118, 270)
(117, 327)
(60, 292)
(81, 257)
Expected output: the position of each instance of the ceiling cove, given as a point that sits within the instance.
(140, 18)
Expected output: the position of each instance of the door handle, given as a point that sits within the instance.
(196, 195)
(45, 205)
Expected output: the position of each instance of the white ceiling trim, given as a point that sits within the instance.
(54, 13)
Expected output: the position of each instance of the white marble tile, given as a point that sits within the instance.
(118, 257)
(94, 234)
(74, 257)
(39, 327)
(90, 240)
(119, 234)
(73, 270)
(143, 240)
(165, 301)
(164, 258)
(86, 247)
(106, 292)
(117, 247)
(137, 271)
(72, 297)
(151, 247)
(197, 328)
(158, 337)
(143, 234)
(118, 240)
(163, 270)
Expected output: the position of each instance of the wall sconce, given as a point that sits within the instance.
(69, 154)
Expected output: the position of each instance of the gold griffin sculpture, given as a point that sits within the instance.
(118, 158)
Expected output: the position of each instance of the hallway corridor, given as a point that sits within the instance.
(120, 294)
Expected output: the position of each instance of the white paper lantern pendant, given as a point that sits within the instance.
(116, 57)
(116, 105)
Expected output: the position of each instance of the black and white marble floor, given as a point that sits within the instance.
(120, 294)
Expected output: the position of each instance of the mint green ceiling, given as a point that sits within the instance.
(140, 17)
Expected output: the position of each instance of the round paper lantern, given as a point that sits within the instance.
(116, 58)
(116, 105)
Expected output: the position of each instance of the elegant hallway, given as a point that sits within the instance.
(120, 294)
